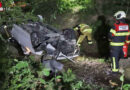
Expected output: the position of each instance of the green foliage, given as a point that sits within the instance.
(21, 76)
(66, 5)
(122, 78)
(87, 5)
(12, 15)
(68, 76)
(70, 81)
(50, 9)
(126, 87)
(44, 72)
(77, 85)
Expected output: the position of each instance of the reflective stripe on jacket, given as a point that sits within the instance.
(119, 35)
(117, 43)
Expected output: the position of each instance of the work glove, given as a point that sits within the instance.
(78, 44)
(90, 42)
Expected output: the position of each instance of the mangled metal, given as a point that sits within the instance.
(36, 38)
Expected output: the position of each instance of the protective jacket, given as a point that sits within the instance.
(118, 36)
(84, 31)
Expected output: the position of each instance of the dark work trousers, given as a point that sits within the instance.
(116, 52)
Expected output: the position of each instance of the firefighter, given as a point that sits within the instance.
(84, 31)
(118, 36)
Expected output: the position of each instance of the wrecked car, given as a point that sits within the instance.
(41, 39)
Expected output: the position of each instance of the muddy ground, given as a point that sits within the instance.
(94, 72)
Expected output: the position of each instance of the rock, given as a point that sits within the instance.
(125, 64)
(127, 73)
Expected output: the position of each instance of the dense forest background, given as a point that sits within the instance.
(66, 14)
(20, 73)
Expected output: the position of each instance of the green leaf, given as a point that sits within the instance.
(22, 64)
(15, 60)
(122, 77)
(19, 85)
(69, 76)
(58, 77)
(126, 87)
(78, 85)
(42, 81)
(46, 72)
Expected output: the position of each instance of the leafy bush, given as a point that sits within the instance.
(68, 76)
(14, 15)
(66, 5)
(50, 9)
(126, 87)
(22, 76)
